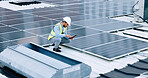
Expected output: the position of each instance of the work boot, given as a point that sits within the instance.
(54, 45)
(56, 49)
(59, 47)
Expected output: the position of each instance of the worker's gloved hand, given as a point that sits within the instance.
(67, 36)
(71, 38)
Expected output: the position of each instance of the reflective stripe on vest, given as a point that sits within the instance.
(52, 33)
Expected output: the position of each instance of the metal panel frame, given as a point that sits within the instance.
(88, 52)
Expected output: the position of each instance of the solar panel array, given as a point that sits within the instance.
(90, 23)
(138, 69)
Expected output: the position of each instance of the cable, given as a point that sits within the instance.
(136, 11)
(134, 6)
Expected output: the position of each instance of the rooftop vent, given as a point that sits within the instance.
(34, 61)
(24, 5)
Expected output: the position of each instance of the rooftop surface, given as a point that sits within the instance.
(89, 18)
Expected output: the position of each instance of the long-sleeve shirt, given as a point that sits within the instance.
(57, 31)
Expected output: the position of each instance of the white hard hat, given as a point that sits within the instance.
(68, 20)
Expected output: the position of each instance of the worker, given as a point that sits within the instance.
(59, 35)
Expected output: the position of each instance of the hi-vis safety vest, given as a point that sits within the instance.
(52, 33)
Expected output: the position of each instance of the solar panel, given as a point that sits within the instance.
(116, 74)
(60, 2)
(35, 39)
(83, 32)
(7, 29)
(36, 24)
(130, 71)
(145, 29)
(41, 31)
(119, 48)
(5, 44)
(30, 11)
(115, 26)
(22, 20)
(78, 17)
(82, 43)
(96, 7)
(94, 22)
(15, 35)
(49, 12)
(60, 15)
(137, 34)
(14, 16)
(2, 25)
(45, 36)
(93, 40)
(5, 12)
(74, 27)
(2, 39)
